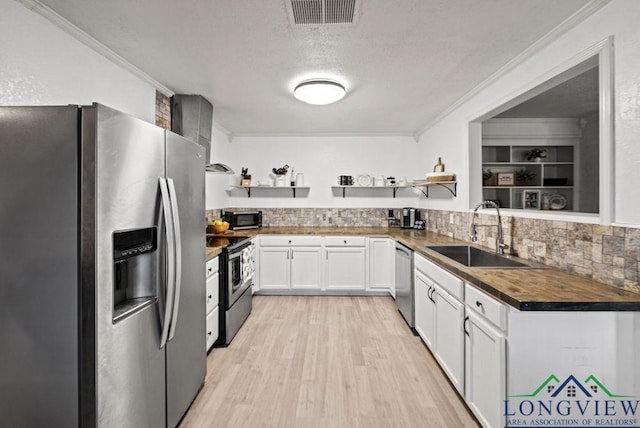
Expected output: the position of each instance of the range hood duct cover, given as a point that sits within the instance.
(191, 117)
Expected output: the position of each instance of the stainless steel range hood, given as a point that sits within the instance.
(191, 117)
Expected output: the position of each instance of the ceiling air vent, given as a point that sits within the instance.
(321, 12)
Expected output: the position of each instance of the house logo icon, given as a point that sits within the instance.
(574, 403)
(571, 388)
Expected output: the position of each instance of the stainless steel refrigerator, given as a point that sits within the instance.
(102, 269)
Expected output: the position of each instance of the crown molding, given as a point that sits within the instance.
(92, 43)
(241, 135)
(572, 21)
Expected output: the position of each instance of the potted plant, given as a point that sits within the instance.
(487, 177)
(536, 154)
(524, 177)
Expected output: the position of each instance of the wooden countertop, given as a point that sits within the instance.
(212, 252)
(540, 288)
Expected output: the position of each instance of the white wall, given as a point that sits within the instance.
(321, 160)
(217, 184)
(449, 137)
(40, 64)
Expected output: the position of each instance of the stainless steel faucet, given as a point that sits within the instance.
(500, 245)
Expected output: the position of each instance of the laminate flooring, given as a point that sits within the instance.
(323, 361)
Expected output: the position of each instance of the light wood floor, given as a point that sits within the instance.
(325, 362)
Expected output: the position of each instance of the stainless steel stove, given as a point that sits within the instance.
(236, 278)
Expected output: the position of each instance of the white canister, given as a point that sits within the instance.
(279, 180)
(299, 180)
(379, 181)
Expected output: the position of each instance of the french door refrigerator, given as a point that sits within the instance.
(102, 269)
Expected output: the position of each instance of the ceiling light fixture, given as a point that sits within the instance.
(319, 91)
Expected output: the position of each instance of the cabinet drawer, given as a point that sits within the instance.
(213, 292)
(344, 241)
(212, 327)
(290, 240)
(449, 282)
(487, 306)
(212, 267)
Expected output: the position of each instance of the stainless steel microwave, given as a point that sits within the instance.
(243, 219)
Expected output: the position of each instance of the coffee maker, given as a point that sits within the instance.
(409, 217)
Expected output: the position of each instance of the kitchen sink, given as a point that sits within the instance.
(474, 257)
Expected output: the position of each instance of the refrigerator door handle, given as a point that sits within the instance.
(171, 257)
(178, 256)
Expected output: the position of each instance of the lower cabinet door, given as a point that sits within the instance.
(305, 268)
(381, 265)
(212, 327)
(424, 309)
(274, 268)
(485, 370)
(346, 268)
(450, 336)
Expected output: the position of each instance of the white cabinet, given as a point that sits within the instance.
(274, 267)
(255, 253)
(439, 315)
(485, 358)
(425, 309)
(449, 336)
(381, 265)
(290, 262)
(345, 264)
(305, 268)
(212, 297)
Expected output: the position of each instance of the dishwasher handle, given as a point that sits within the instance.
(402, 249)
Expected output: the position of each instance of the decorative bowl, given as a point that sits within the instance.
(218, 228)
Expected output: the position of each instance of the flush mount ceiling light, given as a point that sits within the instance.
(319, 91)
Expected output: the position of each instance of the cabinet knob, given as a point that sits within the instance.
(209, 296)
(209, 333)
(345, 241)
(289, 241)
(478, 303)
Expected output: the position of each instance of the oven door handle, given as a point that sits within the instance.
(178, 255)
(171, 276)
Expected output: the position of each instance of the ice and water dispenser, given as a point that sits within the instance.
(135, 271)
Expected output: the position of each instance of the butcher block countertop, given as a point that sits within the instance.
(540, 288)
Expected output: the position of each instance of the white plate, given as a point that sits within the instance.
(364, 180)
(557, 202)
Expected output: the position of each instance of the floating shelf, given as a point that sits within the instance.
(293, 188)
(451, 186)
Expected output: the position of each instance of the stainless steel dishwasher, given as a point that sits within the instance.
(404, 283)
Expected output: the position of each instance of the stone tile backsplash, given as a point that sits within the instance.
(163, 111)
(318, 217)
(605, 253)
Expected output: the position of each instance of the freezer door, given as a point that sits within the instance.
(39, 266)
(186, 350)
(129, 160)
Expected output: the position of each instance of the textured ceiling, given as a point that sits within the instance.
(577, 97)
(403, 62)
